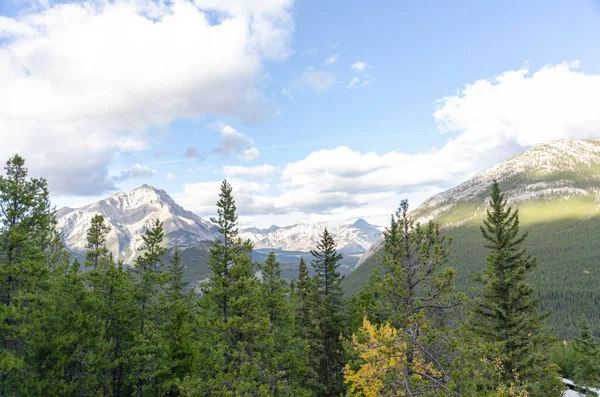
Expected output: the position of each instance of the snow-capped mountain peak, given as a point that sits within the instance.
(129, 215)
(350, 238)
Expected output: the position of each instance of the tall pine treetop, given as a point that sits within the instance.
(507, 312)
(227, 219)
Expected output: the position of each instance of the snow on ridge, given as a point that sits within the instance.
(129, 214)
(542, 161)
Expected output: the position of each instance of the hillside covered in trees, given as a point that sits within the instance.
(100, 328)
(555, 187)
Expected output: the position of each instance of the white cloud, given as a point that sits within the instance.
(250, 154)
(202, 197)
(137, 171)
(233, 141)
(359, 66)
(85, 80)
(331, 60)
(317, 80)
(170, 176)
(259, 171)
(490, 121)
(353, 82)
(523, 108)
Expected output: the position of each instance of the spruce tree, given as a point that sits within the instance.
(234, 325)
(286, 354)
(113, 286)
(177, 330)
(96, 241)
(149, 353)
(304, 299)
(587, 353)
(69, 343)
(26, 233)
(507, 312)
(331, 314)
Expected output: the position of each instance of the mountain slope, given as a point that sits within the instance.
(350, 239)
(129, 215)
(556, 187)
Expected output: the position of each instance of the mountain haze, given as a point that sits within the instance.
(556, 187)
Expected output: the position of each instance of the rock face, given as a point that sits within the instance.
(350, 238)
(549, 172)
(129, 215)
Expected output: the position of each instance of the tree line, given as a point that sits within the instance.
(102, 328)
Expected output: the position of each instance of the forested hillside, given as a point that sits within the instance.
(101, 328)
(555, 187)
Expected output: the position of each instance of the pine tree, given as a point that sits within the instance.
(178, 328)
(96, 241)
(149, 353)
(113, 287)
(411, 295)
(233, 321)
(507, 311)
(587, 353)
(331, 314)
(26, 233)
(304, 301)
(287, 354)
(69, 341)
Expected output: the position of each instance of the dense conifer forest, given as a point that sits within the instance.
(101, 328)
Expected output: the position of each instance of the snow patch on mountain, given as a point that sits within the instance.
(350, 238)
(555, 170)
(129, 215)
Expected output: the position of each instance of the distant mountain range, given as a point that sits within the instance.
(556, 187)
(131, 213)
(350, 238)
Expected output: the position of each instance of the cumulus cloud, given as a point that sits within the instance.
(317, 80)
(331, 60)
(137, 171)
(488, 121)
(84, 80)
(359, 66)
(233, 141)
(169, 176)
(259, 171)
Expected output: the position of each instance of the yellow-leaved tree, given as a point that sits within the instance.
(381, 367)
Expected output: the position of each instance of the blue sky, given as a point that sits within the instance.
(314, 110)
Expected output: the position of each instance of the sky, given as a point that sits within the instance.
(312, 110)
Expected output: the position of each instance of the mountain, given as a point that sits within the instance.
(129, 215)
(350, 238)
(556, 187)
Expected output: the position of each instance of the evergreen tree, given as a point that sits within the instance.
(587, 353)
(330, 312)
(411, 296)
(287, 354)
(507, 311)
(113, 286)
(149, 354)
(69, 342)
(304, 300)
(178, 328)
(234, 325)
(96, 241)
(26, 233)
